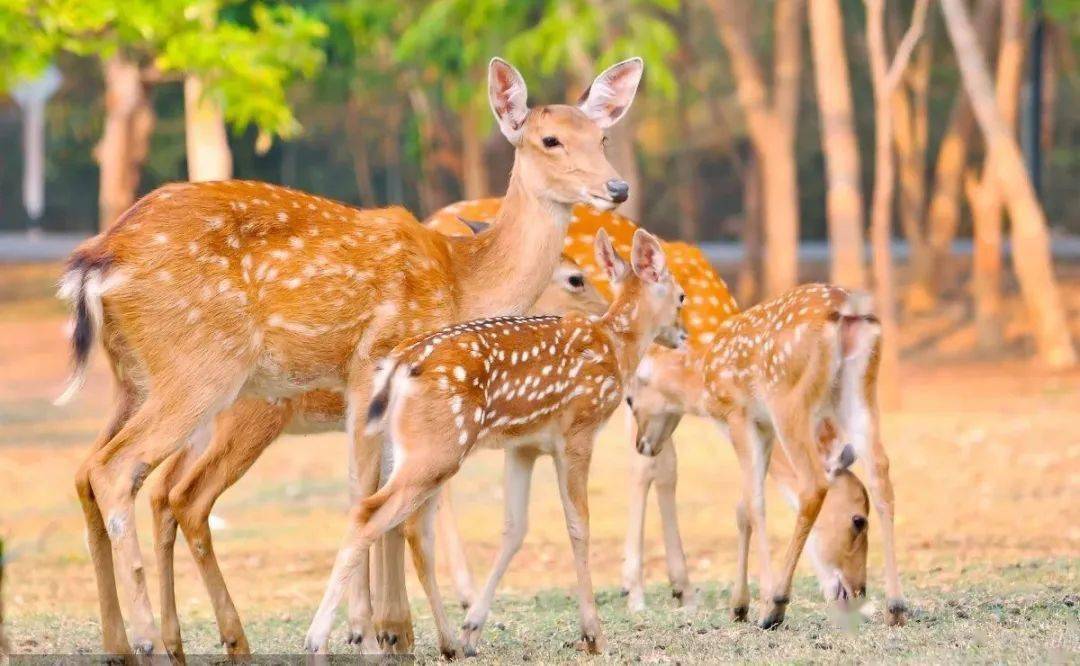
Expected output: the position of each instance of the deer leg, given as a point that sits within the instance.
(241, 434)
(157, 429)
(881, 494)
(796, 434)
(454, 548)
(165, 526)
(667, 475)
(392, 616)
(420, 534)
(642, 471)
(740, 593)
(753, 452)
(114, 636)
(369, 519)
(572, 470)
(516, 483)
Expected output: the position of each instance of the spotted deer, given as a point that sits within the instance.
(789, 370)
(205, 292)
(192, 479)
(669, 385)
(526, 385)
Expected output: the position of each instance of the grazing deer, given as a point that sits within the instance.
(837, 544)
(779, 371)
(527, 385)
(206, 292)
(192, 479)
(668, 386)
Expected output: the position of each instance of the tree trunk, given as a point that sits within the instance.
(358, 149)
(472, 156)
(207, 142)
(885, 76)
(686, 175)
(771, 128)
(1030, 239)
(844, 204)
(748, 284)
(986, 204)
(129, 121)
(931, 270)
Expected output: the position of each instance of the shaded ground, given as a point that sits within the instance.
(986, 458)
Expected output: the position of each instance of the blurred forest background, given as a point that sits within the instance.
(767, 122)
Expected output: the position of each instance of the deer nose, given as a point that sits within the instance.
(618, 189)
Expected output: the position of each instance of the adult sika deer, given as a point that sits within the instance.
(206, 292)
(524, 384)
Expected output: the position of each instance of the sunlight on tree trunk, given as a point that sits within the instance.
(770, 127)
(844, 203)
(205, 137)
(885, 77)
(933, 271)
(984, 197)
(472, 156)
(125, 139)
(748, 283)
(1030, 238)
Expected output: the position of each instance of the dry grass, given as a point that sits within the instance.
(986, 458)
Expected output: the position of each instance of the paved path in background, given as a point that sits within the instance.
(18, 247)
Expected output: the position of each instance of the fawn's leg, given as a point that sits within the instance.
(740, 593)
(454, 548)
(114, 637)
(388, 507)
(165, 542)
(572, 469)
(642, 470)
(753, 452)
(241, 434)
(160, 426)
(881, 494)
(516, 484)
(667, 476)
(392, 616)
(420, 534)
(795, 431)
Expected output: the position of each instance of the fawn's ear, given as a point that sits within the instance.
(610, 95)
(647, 258)
(509, 98)
(608, 258)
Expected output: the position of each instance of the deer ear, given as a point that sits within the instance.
(508, 97)
(608, 98)
(647, 258)
(608, 258)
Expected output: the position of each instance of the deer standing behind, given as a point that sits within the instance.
(526, 385)
(206, 292)
(791, 370)
(837, 544)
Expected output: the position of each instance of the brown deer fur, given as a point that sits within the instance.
(204, 292)
(523, 384)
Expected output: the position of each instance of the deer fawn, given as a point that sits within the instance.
(205, 292)
(668, 385)
(786, 370)
(527, 385)
(192, 479)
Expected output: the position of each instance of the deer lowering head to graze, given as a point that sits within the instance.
(528, 385)
(205, 292)
(670, 384)
(789, 370)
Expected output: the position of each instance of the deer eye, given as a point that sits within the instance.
(551, 141)
(576, 281)
(682, 298)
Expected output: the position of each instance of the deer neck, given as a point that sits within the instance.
(630, 333)
(503, 270)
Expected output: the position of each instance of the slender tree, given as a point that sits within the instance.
(1030, 238)
(844, 203)
(770, 121)
(984, 196)
(885, 75)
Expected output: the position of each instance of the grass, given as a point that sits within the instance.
(1021, 613)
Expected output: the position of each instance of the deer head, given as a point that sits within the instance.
(560, 148)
